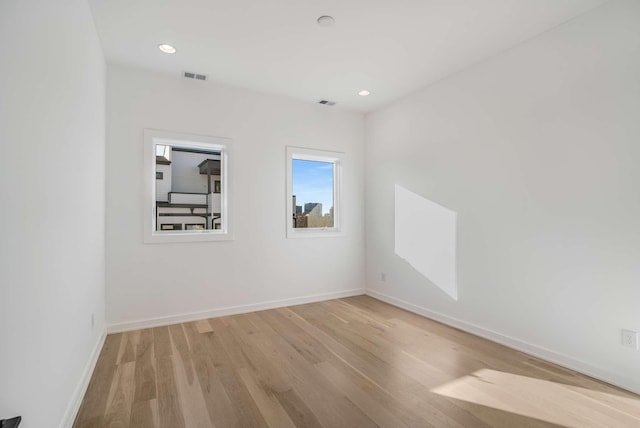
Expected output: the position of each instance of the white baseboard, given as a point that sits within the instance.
(230, 310)
(529, 348)
(76, 400)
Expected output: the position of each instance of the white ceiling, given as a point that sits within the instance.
(389, 47)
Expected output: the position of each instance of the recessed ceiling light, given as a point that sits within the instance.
(363, 93)
(168, 49)
(326, 21)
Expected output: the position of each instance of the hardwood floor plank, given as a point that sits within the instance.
(439, 411)
(496, 418)
(298, 411)
(216, 350)
(241, 401)
(268, 404)
(192, 402)
(310, 348)
(230, 353)
(180, 348)
(203, 326)
(227, 356)
(375, 343)
(368, 365)
(161, 342)
(369, 401)
(118, 413)
(145, 371)
(128, 346)
(219, 406)
(353, 362)
(267, 374)
(142, 414)
(331, 407)
(94, 405)
(169, 409)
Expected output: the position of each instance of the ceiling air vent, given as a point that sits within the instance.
(327, 102)
(196, 76)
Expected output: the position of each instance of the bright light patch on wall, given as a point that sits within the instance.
(425, 236)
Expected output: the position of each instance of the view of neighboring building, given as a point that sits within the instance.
(188, 187)
(312, 215)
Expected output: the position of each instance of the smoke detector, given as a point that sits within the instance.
(327, 102)
(326, 21)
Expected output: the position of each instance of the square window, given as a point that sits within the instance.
(189, 197)
(313, 193)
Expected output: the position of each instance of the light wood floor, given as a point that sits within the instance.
(354, 362)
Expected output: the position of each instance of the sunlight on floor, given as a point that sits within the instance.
(558, 403)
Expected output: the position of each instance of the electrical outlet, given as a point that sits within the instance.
(383, 277)
(629, 339)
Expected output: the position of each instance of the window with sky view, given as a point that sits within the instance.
(312, 193)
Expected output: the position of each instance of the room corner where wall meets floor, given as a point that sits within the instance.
(535, 150)
(230, 310)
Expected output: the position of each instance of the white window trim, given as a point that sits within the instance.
(153, 137)
(337, 159)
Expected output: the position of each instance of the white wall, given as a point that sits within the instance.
(186, 174)
(164, 280)
(163, 187)
(537, 150)
(52, 184)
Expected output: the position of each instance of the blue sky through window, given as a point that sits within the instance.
(313, 182)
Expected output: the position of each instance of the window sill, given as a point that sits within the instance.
(182, 236)
(314, 233)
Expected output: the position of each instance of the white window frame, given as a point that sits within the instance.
(337, 159)
(153, 137)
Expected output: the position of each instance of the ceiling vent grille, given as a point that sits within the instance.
(196, 76)
(327, 102)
